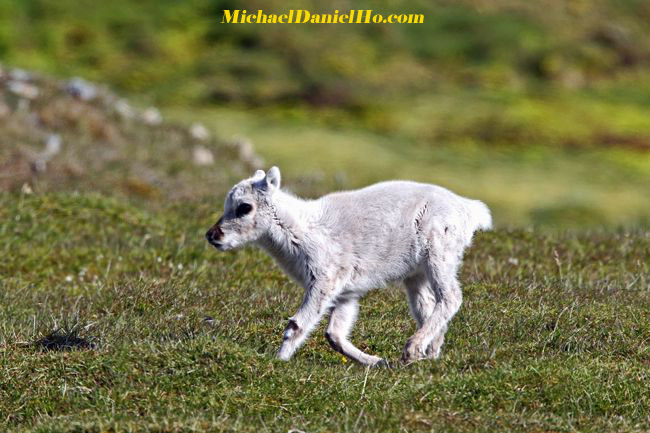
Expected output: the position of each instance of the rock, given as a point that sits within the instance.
(39, 165)
(151, 116)
(202, 156)
(123, 109)
(81, 89)
(245, 147)
(247, 153)
(23, 89)
(19, 75)
(52, 146)
(199, 132)
(26, 189)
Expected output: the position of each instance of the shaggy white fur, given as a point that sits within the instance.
(342, 245)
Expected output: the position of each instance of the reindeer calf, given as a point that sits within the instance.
(344, 244)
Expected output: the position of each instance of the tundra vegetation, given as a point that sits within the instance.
(116, 315)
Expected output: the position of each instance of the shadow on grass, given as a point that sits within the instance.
(61, 340)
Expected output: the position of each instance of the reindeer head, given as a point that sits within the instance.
(247, 211)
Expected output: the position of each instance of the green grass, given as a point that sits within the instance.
(553, 335)
(180, 52)
(115, 315)
(524, 183)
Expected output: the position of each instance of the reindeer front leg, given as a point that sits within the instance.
(316, 302)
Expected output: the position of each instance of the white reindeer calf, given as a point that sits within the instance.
(344, 244)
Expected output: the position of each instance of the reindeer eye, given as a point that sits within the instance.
(243, 209)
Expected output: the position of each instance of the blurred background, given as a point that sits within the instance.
(539, 108)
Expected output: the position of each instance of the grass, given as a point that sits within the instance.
(523, 183)
(115, 315)
(181, 52)
(148, 329)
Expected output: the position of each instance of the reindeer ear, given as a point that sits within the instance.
(273, 177)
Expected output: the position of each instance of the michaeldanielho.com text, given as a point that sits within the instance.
(301, 16)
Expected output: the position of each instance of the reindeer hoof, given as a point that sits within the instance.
(412, 353)
(382, 363)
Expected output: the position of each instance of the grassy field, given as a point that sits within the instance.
(115, 317)
(523, 183)
(115, 314)
(181, 52)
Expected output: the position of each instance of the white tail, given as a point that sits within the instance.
(480, 215)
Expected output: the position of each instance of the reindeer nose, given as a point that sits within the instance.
(214, 234)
